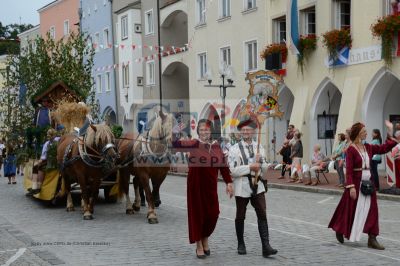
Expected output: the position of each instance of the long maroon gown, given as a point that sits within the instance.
(202, 198)
(343, 217)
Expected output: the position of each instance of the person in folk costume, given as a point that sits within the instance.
(244, 164)
(10, 163)
(38, 172)
(206, 159)
(357, 211)
(42, 120)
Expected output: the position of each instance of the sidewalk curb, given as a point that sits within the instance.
(312, 189)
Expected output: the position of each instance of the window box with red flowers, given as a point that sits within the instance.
(275, 56)
(386, 28)
(336, 40)
(307, 45)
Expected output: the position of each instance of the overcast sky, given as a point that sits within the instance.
(12, 10)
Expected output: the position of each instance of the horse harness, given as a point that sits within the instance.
(103, 163)
(147, 152)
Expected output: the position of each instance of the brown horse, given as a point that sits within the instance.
(86, 160)
(148, 159)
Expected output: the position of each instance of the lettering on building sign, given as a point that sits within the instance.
(365, 55)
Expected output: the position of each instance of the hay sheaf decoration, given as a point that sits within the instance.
(71, 115)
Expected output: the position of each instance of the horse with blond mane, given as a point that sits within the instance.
(146, 157)
(86, 158)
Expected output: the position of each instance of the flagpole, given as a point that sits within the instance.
(160, 57)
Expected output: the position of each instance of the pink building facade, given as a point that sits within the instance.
(60, 18)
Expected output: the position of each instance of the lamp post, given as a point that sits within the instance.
(226, 74)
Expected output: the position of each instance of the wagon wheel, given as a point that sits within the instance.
(107, 197)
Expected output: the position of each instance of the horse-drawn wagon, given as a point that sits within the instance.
(48, 104)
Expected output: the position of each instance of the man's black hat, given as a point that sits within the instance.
(247, 122)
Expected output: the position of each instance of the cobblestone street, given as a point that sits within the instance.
(32, 233)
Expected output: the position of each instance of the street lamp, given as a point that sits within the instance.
(227, 75)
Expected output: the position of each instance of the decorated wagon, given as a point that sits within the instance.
(58, 108)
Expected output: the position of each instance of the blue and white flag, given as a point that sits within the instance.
(293, 19)
(342, 59)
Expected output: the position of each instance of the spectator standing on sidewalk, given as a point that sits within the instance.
(10, 163)
(376, 159)
(2, 152)
(338, 155)
(296, 156)
(285, 151)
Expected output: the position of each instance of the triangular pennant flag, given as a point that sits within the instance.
(133, 46)
(122, 46)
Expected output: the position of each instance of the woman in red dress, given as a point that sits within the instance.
(205, 160)
(356, 212)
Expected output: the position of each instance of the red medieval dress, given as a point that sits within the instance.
(202, 199)
(345, 213)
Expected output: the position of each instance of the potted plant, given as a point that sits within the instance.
(307, 44)
(335, 40)
(272, 50)
(385, 28)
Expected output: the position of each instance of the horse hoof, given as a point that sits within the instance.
(153, 221)
(70, 209)
(157, 203)
(130, 212)
(136, 209)
(88, 217)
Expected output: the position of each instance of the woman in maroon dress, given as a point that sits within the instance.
(205, 159)
(356, 212)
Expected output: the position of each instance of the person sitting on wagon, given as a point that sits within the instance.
(40, 167)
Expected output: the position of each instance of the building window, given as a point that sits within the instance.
(150, 73)
(149, 22)
(124, 27)
(107, 82)
(308, 21)
(125, 76)
(226, 56)
(342, 16)
(66, 27)
(98, 84)
(53, 32)
(202, 65)
(250, 4)
(390, 7)
(96, 41)
(106, 40)
(327, 126)
(279, 25)
(251, 55)
(201, 11)
(225, 8)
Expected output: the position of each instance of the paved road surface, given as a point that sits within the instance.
(32, 233)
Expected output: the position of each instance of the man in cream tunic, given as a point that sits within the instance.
(244, 163)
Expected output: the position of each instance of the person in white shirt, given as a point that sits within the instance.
(2, 147)
(244, 163)
(40, 166)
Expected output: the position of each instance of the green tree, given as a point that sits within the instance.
(69, 60)
(8, 35)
